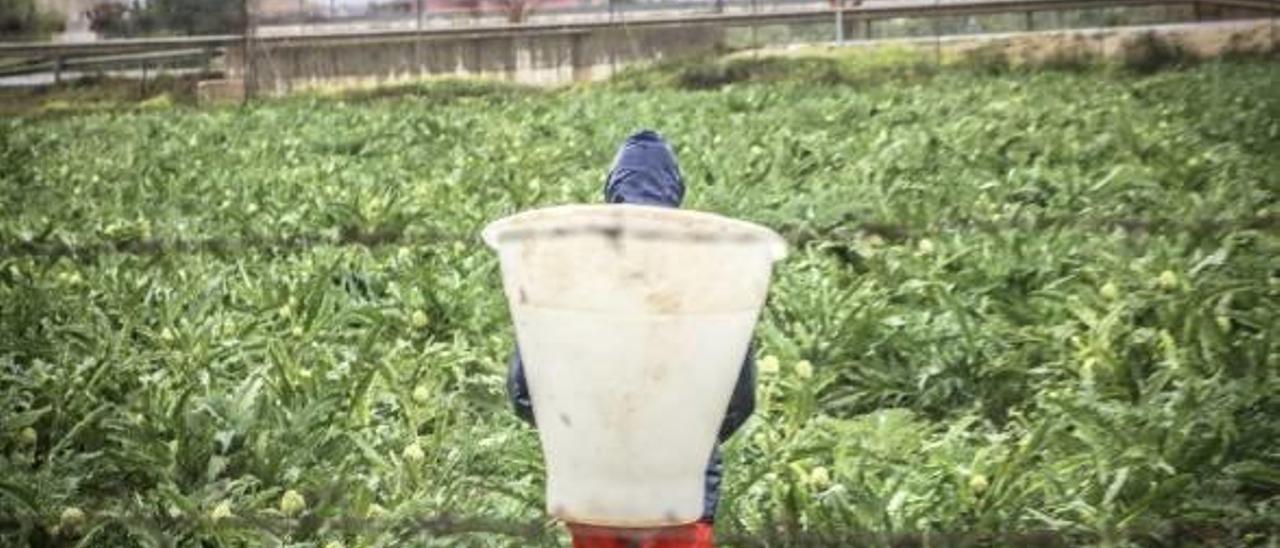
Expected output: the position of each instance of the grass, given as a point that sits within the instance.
(95, 94)
(1034, 306)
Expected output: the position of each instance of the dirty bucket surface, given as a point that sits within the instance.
(633, 322)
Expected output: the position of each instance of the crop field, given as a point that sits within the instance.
(1021, 308)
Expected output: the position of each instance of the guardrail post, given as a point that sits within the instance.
(209, 54)
(840, 24)
(57, 69)
(754, 41)
(1031, 20)
(142, 86)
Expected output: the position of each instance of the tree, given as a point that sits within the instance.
(191, 16)
(21, 18)
(517, 11)
(109, 19)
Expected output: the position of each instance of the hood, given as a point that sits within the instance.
(645, 173)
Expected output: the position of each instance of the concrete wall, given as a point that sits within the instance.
(540, 58)
(553, 55)
(77, 24)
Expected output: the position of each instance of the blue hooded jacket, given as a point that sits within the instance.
(645, 172)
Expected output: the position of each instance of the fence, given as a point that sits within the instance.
(287, 18)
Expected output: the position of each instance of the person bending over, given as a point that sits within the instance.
(645, 172)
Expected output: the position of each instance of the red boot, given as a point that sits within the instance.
(694, 535)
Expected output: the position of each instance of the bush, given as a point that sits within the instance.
(159, 102)
(1149, 52)
(23, 19)
(988, 58)
(57, 105)
(109, 19)
(814, 66)
(1243, 45)
(1074, 56)
(191, 17)
(437, 90)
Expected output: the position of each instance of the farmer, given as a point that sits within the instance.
(645, 173)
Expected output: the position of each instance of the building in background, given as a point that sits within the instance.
(76, 15)
(293, 10)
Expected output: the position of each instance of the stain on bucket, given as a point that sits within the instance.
(663, 302)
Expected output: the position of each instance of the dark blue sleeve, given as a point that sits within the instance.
(741, 404)
(711, 485)
(518, 389)
(743, 401)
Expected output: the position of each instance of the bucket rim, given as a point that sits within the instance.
(526, 224)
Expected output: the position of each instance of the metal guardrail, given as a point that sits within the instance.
(920, 9)
(1272, 6)
(120, 45)
(141, 61)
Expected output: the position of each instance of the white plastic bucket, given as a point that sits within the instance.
(633, 323)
